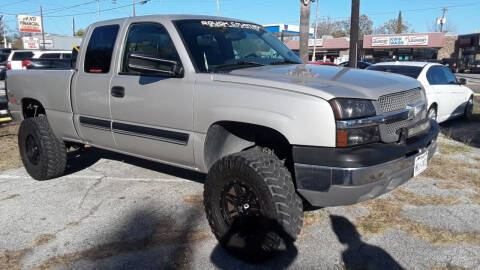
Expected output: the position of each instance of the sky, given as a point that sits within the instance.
(420, 14)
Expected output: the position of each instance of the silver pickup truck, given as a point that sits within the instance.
(226, 98)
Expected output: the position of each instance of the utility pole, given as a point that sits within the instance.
(354, 21)
(43, 32)
(73, 26)
(443, 20)
(218, 7)
(133, 6)
(315, 34)
(4, 31)
(98, 5)
(304, 28)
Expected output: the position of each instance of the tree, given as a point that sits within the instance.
(394, 26)
(447, 27)
(80, 32)
(365, 26)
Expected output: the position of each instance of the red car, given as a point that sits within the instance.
(322, 63)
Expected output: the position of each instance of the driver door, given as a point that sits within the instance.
(152, 115)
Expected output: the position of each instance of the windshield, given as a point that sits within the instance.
(411, 71)
(219, 46)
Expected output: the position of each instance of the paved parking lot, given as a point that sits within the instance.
(111, 211)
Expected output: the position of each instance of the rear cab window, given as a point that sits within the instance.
(410, 71)
(98, 56)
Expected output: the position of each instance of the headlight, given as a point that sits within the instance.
(345, 108)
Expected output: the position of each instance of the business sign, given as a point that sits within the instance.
(318, 42)
(30, 43)
(48, 43)
(29, 24)
(386, 41)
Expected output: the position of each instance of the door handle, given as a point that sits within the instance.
(118, 91)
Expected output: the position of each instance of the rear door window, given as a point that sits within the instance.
(100, 47)
(20, 56)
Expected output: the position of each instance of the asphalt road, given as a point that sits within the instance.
(473, 80)
(111, 211)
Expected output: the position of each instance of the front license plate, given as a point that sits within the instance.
(420, 164)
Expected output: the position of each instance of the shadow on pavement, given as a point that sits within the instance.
(257, 243)
(360, 255)
(144, 239)
(462, 130)
(83, 158)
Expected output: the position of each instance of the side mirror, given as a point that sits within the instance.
(150, 65)
(462, 81)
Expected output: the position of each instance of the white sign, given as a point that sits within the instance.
(420, 40)
(318, 42)
(48, 43)
(30, 43)
(29, 24)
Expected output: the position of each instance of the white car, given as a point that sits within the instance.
(447, 96)
(16, 57)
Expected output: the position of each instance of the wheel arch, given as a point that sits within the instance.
(227, 137)
(32, 107)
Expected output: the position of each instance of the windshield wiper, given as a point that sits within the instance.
(237, 65)
(285, 62)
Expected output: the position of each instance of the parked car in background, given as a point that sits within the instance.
(52, 60)
(360, 64)
(63, 54)
(4, 112)
(3, 66)
(447, 97)
(455, 65)
(322, 63)
(16, 57)
(474, 67)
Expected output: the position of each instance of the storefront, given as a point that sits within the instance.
(403, 47)
(468, 48)
(327, 49)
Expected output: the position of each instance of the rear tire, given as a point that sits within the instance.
(251, 204)
(43, 154)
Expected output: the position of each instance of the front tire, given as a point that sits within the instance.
(43, 154)
(432, 113)
(469, 109)
(251, 204)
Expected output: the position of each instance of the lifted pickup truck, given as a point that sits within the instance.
(227, 98)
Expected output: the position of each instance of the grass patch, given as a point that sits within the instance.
(386, 213)
(193, 198)
(447, 267)
(447, 169)
(452, 149)
(475, 198)
(9, 154)
(43, 239)
(11, 259)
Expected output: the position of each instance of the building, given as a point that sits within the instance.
(285, 31)
(327, 49)
(415, 46)
(467, 48)
(52, 42)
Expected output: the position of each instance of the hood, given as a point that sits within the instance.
(326, 82)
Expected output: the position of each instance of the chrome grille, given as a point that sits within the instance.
(395, 102)
(400, 100)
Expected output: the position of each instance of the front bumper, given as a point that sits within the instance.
(332, 176)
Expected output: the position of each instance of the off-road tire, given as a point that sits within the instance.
(469, 109)
(270, 179)
(432, 111)
(52, 154)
